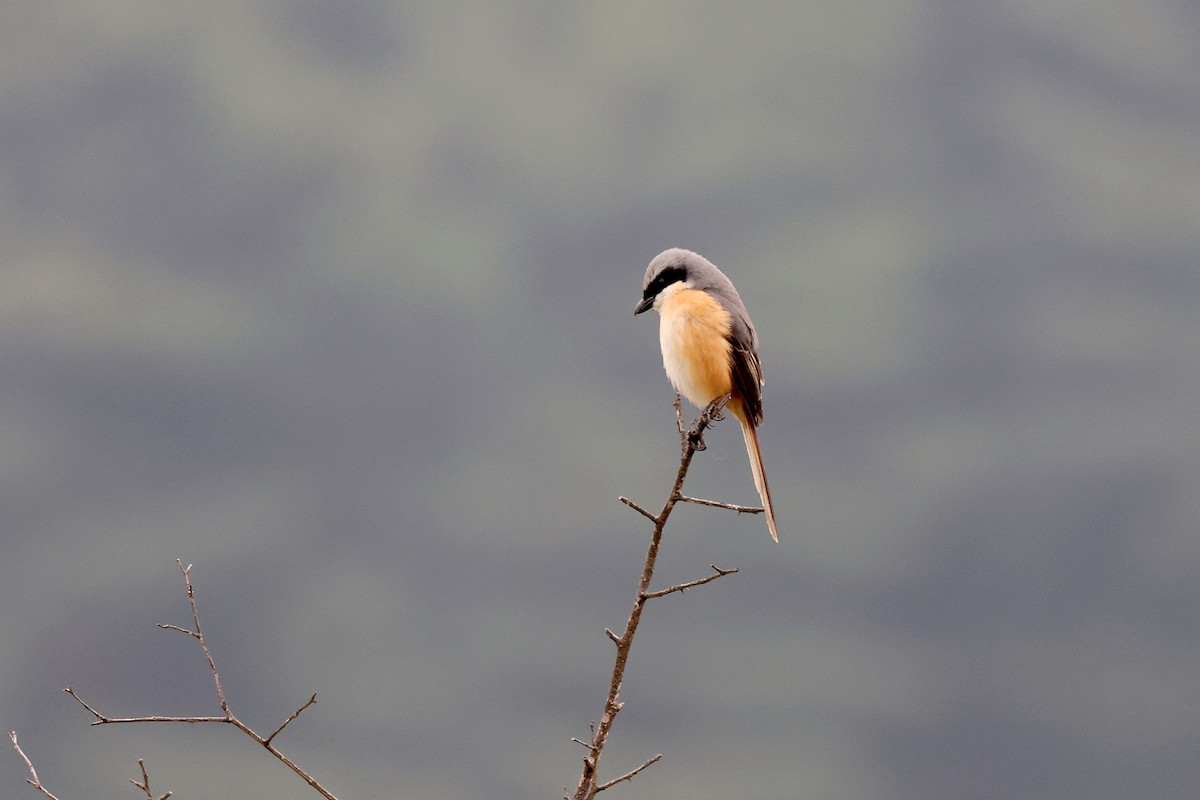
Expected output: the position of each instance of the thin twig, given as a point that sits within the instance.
(628, 776)
(638, 509)
(102, 719)
(145, 784)
(720, 573)
(288, 721)
(199, 634)
(688, 441)
(93, 711)
(35, 782)
(229, 718)
(717, 504)
(166, 626)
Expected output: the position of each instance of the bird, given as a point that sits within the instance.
(709, 347)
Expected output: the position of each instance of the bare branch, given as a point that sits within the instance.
(628, 776)
(719, 573)
(199, 634)
(103, 719)
(690, 441)
(157, 718)
(717, 504)
(34, 781)
(228, 718)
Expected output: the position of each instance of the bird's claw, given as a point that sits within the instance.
(713, 412)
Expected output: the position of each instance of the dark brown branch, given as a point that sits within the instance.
(33, 781)
(689, 440)
(229, 718)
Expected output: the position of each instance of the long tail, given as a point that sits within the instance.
(760, 477)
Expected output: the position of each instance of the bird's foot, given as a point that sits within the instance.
(713, 412)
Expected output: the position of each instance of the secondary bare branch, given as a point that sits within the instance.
(628, 776)
(228, 718)
(717, 504)
(719, 573)
(288, 721)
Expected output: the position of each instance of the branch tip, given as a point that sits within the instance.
(639, 509)
(99, 717)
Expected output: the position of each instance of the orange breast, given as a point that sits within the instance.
(693, 333)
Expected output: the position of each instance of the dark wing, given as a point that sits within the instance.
(747, 371)
(747, 380)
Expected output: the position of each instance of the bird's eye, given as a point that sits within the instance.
(669, 276)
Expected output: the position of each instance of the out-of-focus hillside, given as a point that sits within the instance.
(335, 301)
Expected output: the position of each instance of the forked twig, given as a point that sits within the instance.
(228, 717)
(145, 784)
(36, 782)
(689, 442)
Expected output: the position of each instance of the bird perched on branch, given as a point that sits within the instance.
(709, 347)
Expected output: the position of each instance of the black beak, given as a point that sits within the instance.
(645, 305)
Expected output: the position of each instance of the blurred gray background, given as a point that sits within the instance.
(334, 301)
